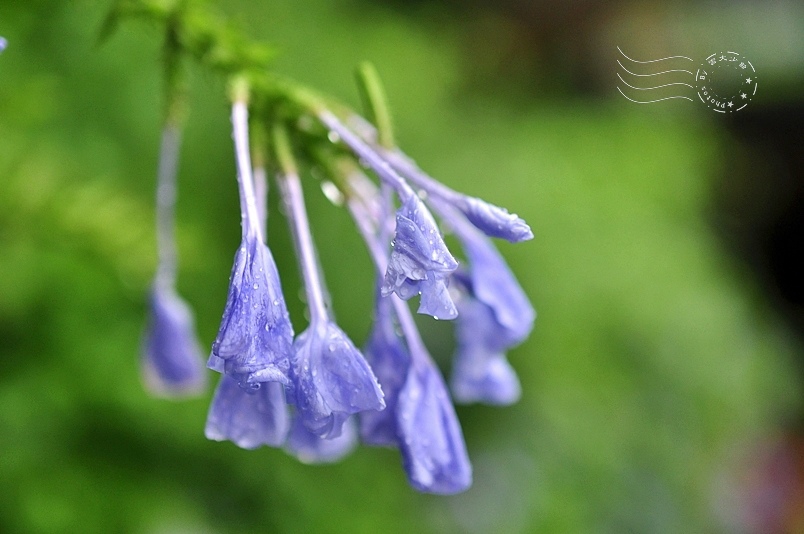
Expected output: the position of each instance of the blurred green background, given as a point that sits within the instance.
(661, 386)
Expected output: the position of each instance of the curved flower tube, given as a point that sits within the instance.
(424, 422)
(330, 378)
(493, 220)
(172, 360)
(255, 339)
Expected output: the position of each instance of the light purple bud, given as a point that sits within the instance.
(255, 339)
(495, 221)
(389, 358)
(248, 419)
(172, 358)
(430, 438)
(331, 380)
(311, 449)
(3, 43)
(420, 261)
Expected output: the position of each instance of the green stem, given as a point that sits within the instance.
(374, 103)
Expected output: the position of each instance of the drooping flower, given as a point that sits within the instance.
(249, 419)
(331, 380)
(495, 315)
(255, 340)
(493, 284)
(430, 438)
(420, 418)
(172, 360)
(420, 262)
(493, 220)
(171, 354)
(312, 449)
(480, 370)
(389, 358)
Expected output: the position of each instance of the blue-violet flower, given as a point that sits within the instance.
(171, 354)
(495, 315)
(172, 361)
(248, 418)
(255, 339)
(312, 449)
(431, 442)
(420, 262)
(331, 379)
(389, 359)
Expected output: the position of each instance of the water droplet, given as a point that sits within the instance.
(332, 347)
(333, 137)
(276, 302)
(332, 193)
(435, 317)
(256, 286)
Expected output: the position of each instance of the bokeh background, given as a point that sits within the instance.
(661, 386)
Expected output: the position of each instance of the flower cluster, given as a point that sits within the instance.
(314, 393)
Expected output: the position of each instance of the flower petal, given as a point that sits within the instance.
(172, 359)
(480, 372)
(389, 359)
(254, 343)
(495, 221)
(431, 442)
(420, 260)
(248, 419)
(331, 380)
(311, 449)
